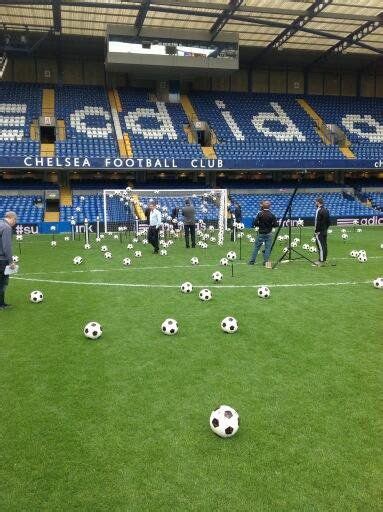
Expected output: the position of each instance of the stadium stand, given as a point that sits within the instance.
(20, 104)
(304, 204)
(155, 129)
(75, 104)
(88, 206)
(360, 118)
(261, 126)
(25, 207)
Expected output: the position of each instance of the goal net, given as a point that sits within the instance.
(127, 208)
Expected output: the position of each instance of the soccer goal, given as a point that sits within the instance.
(126, 208)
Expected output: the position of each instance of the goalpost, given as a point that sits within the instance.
(124, 209)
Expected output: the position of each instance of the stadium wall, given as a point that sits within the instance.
(291, 81)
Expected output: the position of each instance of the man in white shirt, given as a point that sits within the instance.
(154, 226)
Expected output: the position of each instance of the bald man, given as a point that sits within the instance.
(6, 226)
(265, 221)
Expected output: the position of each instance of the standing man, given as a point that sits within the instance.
(188, 213)
(322, 223)
(6, 226)
(265, 221)
(154, 226)
(238, 212)
(175, 212)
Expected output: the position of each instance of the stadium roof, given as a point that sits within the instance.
(326, 26)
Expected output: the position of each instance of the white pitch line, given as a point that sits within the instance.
(143, 285)
(155, 268)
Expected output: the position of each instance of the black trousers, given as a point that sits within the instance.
(190, 231)
(3, 281)
(321, 241)
(153, 237)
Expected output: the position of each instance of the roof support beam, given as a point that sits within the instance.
(352, 39)
(140, 19)
(56, 14)
(224, 17)
(214, 7)
(297, 25)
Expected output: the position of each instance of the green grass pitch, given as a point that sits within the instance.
(121, 424)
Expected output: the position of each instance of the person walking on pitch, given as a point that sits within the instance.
(322, 223)
(155, 221)
(6, 226)
(265, 221)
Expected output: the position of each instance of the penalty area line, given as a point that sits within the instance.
(230, 286)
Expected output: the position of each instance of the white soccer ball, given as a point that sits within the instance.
(359, 230)
(66, 238)
(53, 243)
(36, 297)
(240, 235)
(87, 246)
(194, 260)
(126, 262)
(135, 240)
(240, 225)
(102, 236)
(224, 262)
(251, 239)
(186, 287)
(354, 254)
(263, 292)
(108, 255)
(217, 276)
(213, 239)
(129, 246)
(77, 260)
(224, 421)
(381, 246)
(362, 258)
(211, 228)
(98, 239)
(15, 259)
(312, 249)
(205, 294)
(296, 240)
(104, 248)
(306, 247)
(138, 254)
(169, 327)
(229, 325)
(378, 282)
(115, 237)
(19, 238)
(279, 238)
(231, 255)
(313, 239)
(294, 244)
(343, 230)
(163, 252)
(93, 330)
(144, 241)
(344, 236)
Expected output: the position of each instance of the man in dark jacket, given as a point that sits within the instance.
(265, 221)
(188, 213)
(238, 212)
(6, 226)
(322, 223)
